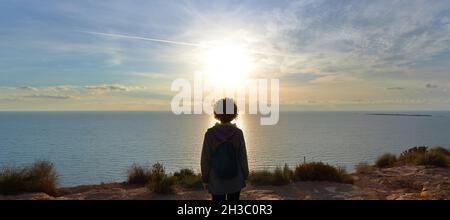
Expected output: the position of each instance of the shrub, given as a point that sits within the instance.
(437, 156)
(42, 177)
(411, 155)
(138, 175)
(318, 171)
(282, 176)
(38, 177)
(184, 173)
(432, 157)
(164, 185)
(363, 168)
(188, 179)
(441, 150)
(12, 180)
(159, 181)
(386, 160)
(261, 178)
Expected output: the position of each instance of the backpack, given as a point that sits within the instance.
(224, 160)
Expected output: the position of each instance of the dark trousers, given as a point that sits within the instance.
(229, 196)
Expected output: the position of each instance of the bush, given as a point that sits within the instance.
(432, 157)
(363, 168)
(38, 177)
(12, 180)
(138, 175)
(159, 181)
(318, 171)
(164, 185)
(184, 173)
(42, 178)
(188, 179)
(261, 178)
(441, 150)
(437, 156)
(282, 176)
(412, 155)
(386, 160)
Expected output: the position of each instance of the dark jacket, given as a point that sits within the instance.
(213, 137)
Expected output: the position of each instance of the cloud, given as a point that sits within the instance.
(152, 75)
(107, 88)
(113, 88)
(28, 88)
(431, 86)
(42, 96)
(62, 88)
(395, 88)
(359, 37)
(70, 89)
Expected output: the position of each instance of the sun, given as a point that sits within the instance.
(226, 65)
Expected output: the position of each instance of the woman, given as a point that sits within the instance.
(224, 162)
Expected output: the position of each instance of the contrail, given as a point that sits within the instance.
(180, 43)
(146, 39)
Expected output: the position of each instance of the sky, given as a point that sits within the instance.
(328, 55)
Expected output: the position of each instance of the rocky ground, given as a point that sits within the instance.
(397, 183)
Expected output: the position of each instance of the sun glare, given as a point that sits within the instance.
(226, 65)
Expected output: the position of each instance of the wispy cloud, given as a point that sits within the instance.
(331, 51)
(107, 88)
(41, 96)
(113, 88)
(30, 88)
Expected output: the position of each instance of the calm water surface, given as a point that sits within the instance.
(94, 147)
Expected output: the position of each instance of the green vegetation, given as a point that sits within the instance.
(37, 177)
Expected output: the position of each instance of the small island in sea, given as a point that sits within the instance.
(401, 114)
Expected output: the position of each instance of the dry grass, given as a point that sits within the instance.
(314, 171)
(318, 171)
(188, 179)
(364, 168)
(386, 160)
(137, 175)
(38, 177)
(160, 182)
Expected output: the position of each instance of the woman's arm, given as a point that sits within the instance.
(205, 161)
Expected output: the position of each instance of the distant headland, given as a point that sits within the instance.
(400, 114)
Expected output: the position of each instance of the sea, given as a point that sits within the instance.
(99, 147)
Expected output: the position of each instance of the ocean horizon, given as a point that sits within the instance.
(90, 147)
